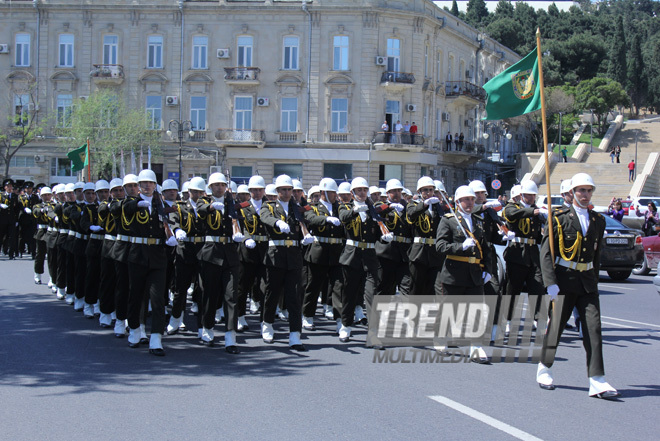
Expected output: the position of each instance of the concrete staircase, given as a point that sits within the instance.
(612, 179)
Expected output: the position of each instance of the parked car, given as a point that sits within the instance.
(642, 203)
(651, 259)
(557, 201)
(622, 250)
(625, 204)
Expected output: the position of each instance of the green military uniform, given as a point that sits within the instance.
(425, 259)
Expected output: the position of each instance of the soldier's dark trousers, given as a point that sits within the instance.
(423, 279)
(146, 284)
(186, 273)
(61, 267)
(219, 288)
(107, 283)
(393, 274)
(284, 282)
(250, 280)
(51, 259)
(92, 281)
(519, 275)
(81, 275)
(39, 256)
(121, 290)
(354, 280)
(70, 272)
(321, 279)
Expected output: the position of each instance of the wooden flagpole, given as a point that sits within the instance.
(89, 164)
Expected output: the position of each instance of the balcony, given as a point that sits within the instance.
(465, 154)
(397, 80)
(403, 142)
(463, 91)
(199, 136)
(337, 137)
(288, 136)
(240, 138)
(107, 74)
(242, 76)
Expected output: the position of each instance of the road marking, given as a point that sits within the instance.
(517, 433)
(631, 321)
(617, 287)
(617, 325)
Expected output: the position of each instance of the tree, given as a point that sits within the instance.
(602, 95)
(503, 9)
(637, 81)
(617, 68)
(454, 9)
(507, 31)
(111, 127)
(477, 13)
(22, 127)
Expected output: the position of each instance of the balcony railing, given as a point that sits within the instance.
(240, 135)
(397, 77)
(464, 88)
(399, 138)
(199, 136)
(288, 137)
(467, 147)
(107, 71)
(338, 137)
(242, 73)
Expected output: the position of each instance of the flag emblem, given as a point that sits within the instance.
(523, 84)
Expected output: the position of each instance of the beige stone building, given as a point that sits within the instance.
(268, 86)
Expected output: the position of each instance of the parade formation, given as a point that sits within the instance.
(130, 252)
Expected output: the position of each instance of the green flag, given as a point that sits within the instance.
(515, 91)
(79, 158)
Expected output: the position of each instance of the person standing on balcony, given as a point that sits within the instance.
(448, 139)
(406, 133)
(398, 128)
(413, 132)
(385, 128)
(456, 139)
(461, 139)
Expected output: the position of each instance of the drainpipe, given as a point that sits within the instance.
(309, 67)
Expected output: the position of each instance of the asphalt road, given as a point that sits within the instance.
(64, 378)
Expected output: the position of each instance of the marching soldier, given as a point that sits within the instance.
(9, 211)
(26, 221)
(283, 260)
(89, 225)
(65, 267)
(577, 233)
(40, 213)
(80, 237)
(467, 266)
(52, 237)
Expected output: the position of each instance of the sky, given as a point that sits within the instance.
(492, 4)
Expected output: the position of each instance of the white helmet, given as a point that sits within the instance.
(297, 185)
(582, 179)
(359, 183)
(102, 184)
(89, 186)
(439, 185)
(78, 185)
(478, 186)
(170, 184)
(565, 186)
(233, 186)
(116, 182)
(59, 188)
(328, 184)
(382, 190)
(393, 184)
(464, 191)
(208, 190)
(69, 187)
(425, 181)
(147, 176)
(45, 190)
(197, 183)
(515, 191)
(242, 189)
(283, 181)
(184, 187)
(159, 189)
(528, 187)
(256, 182)
(407, 191)
(271, 190)
(373, 189)
(344, 188)
(217, 178)
(314, 189)
(130, 179)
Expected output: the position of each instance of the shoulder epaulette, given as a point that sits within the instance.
(449, 215)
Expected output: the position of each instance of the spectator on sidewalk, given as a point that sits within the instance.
(564, 154)
(617, 153)
(615, 210)
(631, 170)
(612, 155)
(651, 219)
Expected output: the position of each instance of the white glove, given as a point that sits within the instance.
(4, 206)
(95, 228)
(543, 211)
(218, 206)
(57, 219)
(469, 243)
(238, 237)
(180, 234)
(332, 220)
(431, 201)
(171, 242)
(397, 207)
(360, 208)
(389, 237)
(283, 226)
(250, 243)
(143, 204)
(509, 235)
(27, 210)
(486, 276)
(553, 290)
(493, 204)
(308, 239)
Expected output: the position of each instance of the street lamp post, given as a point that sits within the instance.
(177, 131)
(560, 113)
(591, 126)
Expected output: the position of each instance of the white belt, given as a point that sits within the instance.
(574, 265)
(524, 240)
(109, 237)
(97, 236)
(216, 239)
(52, 229)
(332, 240)
(361, 245)
(72, 233)
(282, 243)
(43, 227)
(124, 238)
(258, 238)
(63, 231)
(424, 240)
(194, 239)
(80, 236)
(402, 239)
(146, 240)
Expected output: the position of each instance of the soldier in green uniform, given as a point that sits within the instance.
(9, 210)
(27, 223)
(40, 213)
(577, 234)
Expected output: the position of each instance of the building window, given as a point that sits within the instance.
(243, 113)
(60, 167)
(21, 109)
(292, 170)
(245, 51)
(241, 171)
(338, 171)
(289, 115)
(339, 115)
(200, 52)
(22, 50)
(66, 50)
(110, 49)
(155, 52)
(154, 112)
(109, 114)
(64, 108)
(198, 112)
(290, 53)
(390, 171)
(340, 53)
(393, 54)
(22, 161)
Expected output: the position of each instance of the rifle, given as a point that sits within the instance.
(376, 216)
(231, 208)
(298, 211)
(495, 218)
(162, 214)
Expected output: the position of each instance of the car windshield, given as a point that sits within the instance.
(611, 224)
(626, 204)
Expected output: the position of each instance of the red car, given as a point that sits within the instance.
(625, 204)
(651, 254)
